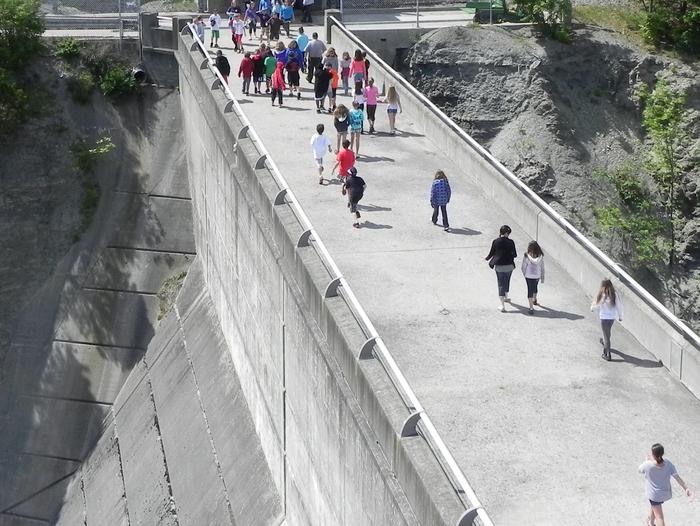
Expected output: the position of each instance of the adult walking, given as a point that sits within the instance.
(306, 11)
(223, 65)
(314, 54)
(533, 270)
(501, 258)
(609, 306)
(440, 194)
(657, 483)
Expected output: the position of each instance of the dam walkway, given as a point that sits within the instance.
(544, 429)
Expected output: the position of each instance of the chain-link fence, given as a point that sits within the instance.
(354, 5)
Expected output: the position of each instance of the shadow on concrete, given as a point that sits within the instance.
(633, 360)
(374, 159)
(375, 226)
(405, 133)
(464, 231)
(545, 312)
(374, 208)
(292, 108)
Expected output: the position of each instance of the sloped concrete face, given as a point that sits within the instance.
(179, 445)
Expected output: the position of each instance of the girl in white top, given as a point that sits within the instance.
(609, 307)
(657, 483)
(533, 270)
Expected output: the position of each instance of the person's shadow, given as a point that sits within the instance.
(375, 226)
(633, 360)
(465, 231)
(373, 208)
(545, 312)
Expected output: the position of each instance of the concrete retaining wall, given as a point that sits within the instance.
(646, 323)
(327, 422)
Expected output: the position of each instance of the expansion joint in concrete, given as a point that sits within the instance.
(121, 465)
(214, 451)
(156, 425)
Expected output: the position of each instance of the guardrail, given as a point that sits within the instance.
(418, 420)
(615, 269)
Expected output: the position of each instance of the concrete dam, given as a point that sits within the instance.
(312, 374)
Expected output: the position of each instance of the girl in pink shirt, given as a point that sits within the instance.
(371, 92)
(358, 72)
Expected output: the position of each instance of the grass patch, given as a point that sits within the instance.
(624, 20)
(117, 82)
(168, 293)
(68, 48)
(80, 87)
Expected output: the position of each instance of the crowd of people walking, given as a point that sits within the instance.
(275, 71)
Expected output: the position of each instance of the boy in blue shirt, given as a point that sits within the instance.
(287, 15)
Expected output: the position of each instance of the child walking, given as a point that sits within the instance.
(277, 83)
(440, 193)
(237, 32)
(215, 23)
(321, 85)
(320, 144)
(354, 186)
(358, 72)
(251, 20)
(258, 70)
(609, 306)
(357, 118)
(270, 64)
(533, 270)
(393, 106)
(344, 161)
(341, 124)
(359, 98)
(246, 70)
(657, 483)
(344, 66)
(371, 94)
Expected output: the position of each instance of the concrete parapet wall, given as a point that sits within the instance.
(667, 340)
(328, 423)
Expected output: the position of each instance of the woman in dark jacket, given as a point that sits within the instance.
(321, 84)
(501, 258)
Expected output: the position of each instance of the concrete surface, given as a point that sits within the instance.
(77, 340)
(179, 445)
(328, 424)
(544, 429)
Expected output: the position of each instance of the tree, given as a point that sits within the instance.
(552, 17)
(21, 26)
(672, 23)
(663, 119)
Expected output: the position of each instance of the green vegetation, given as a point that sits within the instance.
(665, 24)
(68, 47)
(663, 119)
(672, 24)
(625, 20)
(652, 205)
(80, 86)
(86, 158)
(21, 27)
(117, 82)
(552, 17)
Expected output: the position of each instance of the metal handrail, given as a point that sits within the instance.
(400, 382)
(611, 265)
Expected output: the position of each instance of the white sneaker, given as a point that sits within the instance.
(501, 308)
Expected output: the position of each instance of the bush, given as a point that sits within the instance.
(21, 26)
(674, 24)
(86, 157)
(13, 103)
(68, 47)
(117, 82)
(80, 86)
(552, 17)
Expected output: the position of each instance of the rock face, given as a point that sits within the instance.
(551, 112)
(556, 113)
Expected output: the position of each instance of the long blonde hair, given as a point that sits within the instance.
(391, 94)
(606, 290)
